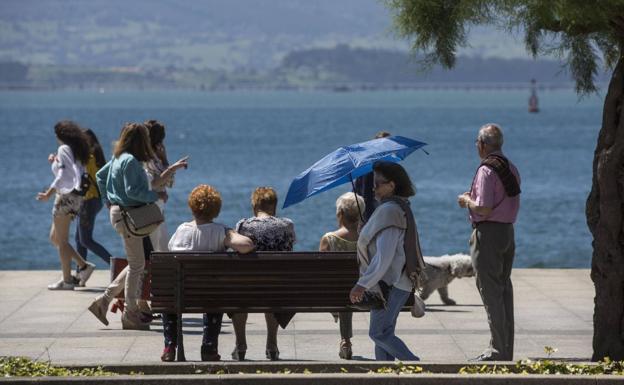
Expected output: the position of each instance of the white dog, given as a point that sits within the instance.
(440, 271)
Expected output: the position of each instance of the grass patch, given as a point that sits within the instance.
(25, 367)
(605, 366)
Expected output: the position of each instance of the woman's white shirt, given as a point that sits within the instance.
(66, 170)
(192, 237)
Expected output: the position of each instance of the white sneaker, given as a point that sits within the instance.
(61, 285)
(85, 273)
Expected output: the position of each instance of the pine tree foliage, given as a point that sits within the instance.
(585, 33)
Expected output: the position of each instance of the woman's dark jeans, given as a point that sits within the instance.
(84, 230)
(212, 328)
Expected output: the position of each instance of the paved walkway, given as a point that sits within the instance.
(553, 308)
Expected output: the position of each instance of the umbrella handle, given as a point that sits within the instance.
(357, 202)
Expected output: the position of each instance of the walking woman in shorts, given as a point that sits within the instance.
(67, 166)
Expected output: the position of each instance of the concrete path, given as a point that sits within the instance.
(553, 308)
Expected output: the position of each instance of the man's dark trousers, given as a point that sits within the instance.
(492, 248)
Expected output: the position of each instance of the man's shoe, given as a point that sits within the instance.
(99, 308)
(61, 285)
(168, 354)
(482, 358)
(132, 321)
(85, 273)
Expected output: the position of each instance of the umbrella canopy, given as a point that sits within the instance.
(348, 163)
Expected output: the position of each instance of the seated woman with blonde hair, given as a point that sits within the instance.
(348, 209)
(202, 234)
(269, 233)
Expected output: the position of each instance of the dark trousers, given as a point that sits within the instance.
(84, 231)
(346, 324)
(492, 248)
(210, 339)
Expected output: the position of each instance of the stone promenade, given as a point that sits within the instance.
(552, 308)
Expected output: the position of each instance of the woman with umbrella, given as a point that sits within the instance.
(390, 258)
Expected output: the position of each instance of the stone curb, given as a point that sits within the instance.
(251, 367)
(325, 373)
(325, 379)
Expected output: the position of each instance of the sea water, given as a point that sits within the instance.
(240, 140)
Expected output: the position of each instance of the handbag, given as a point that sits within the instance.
(418, 307)
(143, 220)
(85, 184)
(372, 300)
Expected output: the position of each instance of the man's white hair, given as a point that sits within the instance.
(491, 134)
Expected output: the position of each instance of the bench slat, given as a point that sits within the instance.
(260, 282)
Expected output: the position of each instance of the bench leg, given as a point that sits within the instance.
(181, 356)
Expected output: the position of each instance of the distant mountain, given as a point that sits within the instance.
(356, 65)
(339, 68)
(217, 34)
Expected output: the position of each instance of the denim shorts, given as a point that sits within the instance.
(67, 204)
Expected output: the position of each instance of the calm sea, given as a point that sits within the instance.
(239, 140)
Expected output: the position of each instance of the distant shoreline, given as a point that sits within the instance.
(338, 88)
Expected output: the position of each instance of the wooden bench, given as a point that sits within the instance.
(299, 282)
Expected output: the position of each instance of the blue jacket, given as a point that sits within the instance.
(124, 182)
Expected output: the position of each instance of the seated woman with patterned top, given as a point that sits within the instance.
(268, 233)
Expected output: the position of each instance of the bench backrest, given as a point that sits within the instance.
(195, 282)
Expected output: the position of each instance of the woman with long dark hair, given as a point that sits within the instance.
(67, 166)
(92, 203)
(160, 174)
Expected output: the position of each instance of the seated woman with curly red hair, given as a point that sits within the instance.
(202, 234)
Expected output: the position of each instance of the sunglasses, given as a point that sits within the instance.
(378, 183)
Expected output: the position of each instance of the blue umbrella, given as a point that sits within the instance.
(347, 163)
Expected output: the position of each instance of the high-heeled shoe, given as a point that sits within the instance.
(209, 354)
(272, 355)
(238, 354)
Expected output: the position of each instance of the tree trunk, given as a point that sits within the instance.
(605, 209)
